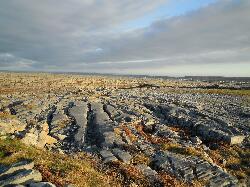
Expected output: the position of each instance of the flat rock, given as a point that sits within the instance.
(102, 127)
(196, 140)
(42, 184)
(234, 139)
(122, 155)
(25, 164)
(107, 156)
(188, 168)
(22, 176)
(11, 126)
(147, 171)
(79, 113)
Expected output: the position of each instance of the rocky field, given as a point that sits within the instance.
(82, 130)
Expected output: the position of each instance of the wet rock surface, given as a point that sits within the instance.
(116, 119)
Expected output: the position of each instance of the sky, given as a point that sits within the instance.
(160, 37)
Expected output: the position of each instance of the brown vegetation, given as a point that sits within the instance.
(237, 159)
(56, 168)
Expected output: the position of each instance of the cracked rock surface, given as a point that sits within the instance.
(117, 118)
(21, 174)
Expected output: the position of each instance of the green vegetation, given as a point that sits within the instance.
(56, 168)
(2, 154)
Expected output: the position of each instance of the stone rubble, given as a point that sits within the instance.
(104, 116)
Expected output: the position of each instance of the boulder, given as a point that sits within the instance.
(102, 127)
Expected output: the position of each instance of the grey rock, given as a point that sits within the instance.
(111, 111)
(79, 113)
(196, 140)
(122, 155)
(107, 156)
(25, 164)
(188, 168)
(22, 176)
(166, 132)
(234, 139)
(209, 123)
(108, 139)
(58, 118)
(42, 184)
(147, 149)
(102, 127)
(69, 185)
(148, 172)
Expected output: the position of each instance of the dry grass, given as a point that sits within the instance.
(117, 131)
(6, 115)
(224, 92)
(210, 91)
(171, 146)
(140, 158)
(171, 181)
(56, 168)
(237, 159)
(149, 137)
(177, 148)
(129, 133)
(29, 106)
(127, 174)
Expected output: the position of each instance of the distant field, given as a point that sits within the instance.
(216, 91)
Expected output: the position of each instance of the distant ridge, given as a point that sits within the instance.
(218, 78)
(201, 78)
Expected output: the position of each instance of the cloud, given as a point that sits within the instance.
(85, 35)
(9, 61)
(220, 27)
(52, 31)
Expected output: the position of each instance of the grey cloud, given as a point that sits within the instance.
(53, 31)
(85, 36)
(9, 61)
(219, 27)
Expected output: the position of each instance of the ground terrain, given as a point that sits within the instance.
(94, 130)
